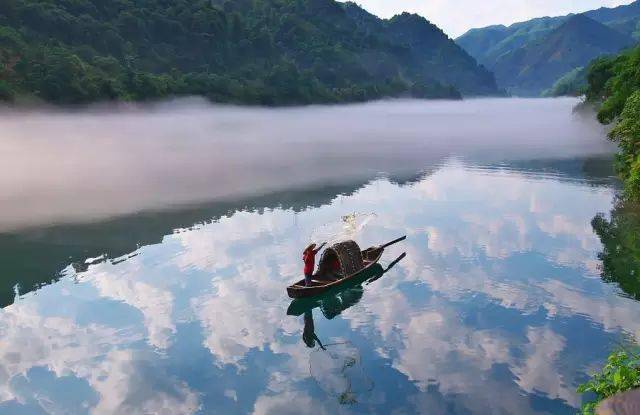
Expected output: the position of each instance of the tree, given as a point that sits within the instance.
(246, 51)
(616, 80)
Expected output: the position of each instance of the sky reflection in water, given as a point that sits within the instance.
(497, 308)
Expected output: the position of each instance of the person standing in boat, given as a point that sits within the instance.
(309, 258)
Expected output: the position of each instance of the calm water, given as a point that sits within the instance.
(498, 306)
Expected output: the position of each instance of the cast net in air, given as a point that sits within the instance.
(347, 228)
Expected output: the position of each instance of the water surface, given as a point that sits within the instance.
(155, 307)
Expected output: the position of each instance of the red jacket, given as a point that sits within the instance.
(309, 258)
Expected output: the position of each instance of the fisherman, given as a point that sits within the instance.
(309, 258)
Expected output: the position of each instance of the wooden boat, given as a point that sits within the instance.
(352, 263)
(336, 300)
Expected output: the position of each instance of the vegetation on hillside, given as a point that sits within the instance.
(573, 83)
(614, 85)
(528, 57)
(268, 52)
(489, 43)
(535, 66)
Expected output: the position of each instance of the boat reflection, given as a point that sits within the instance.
(337, 366)
(334, 302)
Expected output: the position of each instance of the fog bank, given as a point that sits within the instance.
(85, 165)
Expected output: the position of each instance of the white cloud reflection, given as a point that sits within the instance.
(435, 321)
(123, 378)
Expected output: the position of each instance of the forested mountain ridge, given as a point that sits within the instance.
(491, 46)
(268, 52)
(489, 43)
(537, 65)
(432, 51)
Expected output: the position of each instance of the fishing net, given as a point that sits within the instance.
(346, 228)
(348, 255)
(339, 372)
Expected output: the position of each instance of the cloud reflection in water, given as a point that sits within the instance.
(498, 297)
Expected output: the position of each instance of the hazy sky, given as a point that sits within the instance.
(457, 16)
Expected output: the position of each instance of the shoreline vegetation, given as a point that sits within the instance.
(621, 373)
(620, 259)
(613, 85)
(255, 52)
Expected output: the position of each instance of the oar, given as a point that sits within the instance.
(395, 241)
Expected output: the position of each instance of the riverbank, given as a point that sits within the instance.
(614, 86)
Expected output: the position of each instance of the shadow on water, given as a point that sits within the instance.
(592, 171)
(36, 256)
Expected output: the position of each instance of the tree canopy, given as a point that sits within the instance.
(614, 84)
(269, 52)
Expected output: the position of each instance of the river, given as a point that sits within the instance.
(145, 252)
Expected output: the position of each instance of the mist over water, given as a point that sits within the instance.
(182, 308)
(76, 166)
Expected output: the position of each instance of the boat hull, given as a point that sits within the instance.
(370, 256)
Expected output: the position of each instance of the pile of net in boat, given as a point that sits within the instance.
(348, 254)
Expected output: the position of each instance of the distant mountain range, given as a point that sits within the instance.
(529, 57)
(268, 52)
(428, 50)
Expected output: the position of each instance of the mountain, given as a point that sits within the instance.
(573, 83)
(488, 43)
(431, 53)
(535, 66)
(491, 44)
(434, 53)
(625, 19)
(269, 52)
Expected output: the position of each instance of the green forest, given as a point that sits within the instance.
(620, 256)
(528, 57)
(614, 85)
(267, 52)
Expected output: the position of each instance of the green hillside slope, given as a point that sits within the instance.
(435, 54)
(535, 66)
(573, 83)
(491, 44)
(267, 52)
(614, 86)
